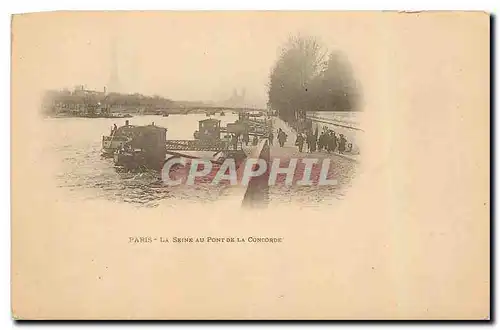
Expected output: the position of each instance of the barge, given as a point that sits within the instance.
(146, 147)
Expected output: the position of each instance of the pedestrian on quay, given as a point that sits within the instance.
(325, 141)
(300, 141)
(255, 140)
(281, 137)
(328, 141)
(271, 138)
(321, 141)
(246, 139)
(234, 141)
(333, 141)
(342, 142)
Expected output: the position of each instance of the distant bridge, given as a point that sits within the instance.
(209, 109)
(324, 119)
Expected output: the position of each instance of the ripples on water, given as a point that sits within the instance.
(75, 144)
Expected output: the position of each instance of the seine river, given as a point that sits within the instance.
(74, 144)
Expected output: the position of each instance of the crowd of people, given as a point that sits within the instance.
(328, 141)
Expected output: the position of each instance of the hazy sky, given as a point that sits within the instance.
(183, 56)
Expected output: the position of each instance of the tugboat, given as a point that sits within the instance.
(208, 138)
(208, 129)
(255, 114)
(145, 149)
(139, 148)
(118, 138)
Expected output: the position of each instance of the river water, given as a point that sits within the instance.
(74, 144)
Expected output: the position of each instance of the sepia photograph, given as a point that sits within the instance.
(127, 128)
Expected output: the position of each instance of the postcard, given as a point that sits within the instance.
(250, 165)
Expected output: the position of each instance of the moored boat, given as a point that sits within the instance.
(118, 137)
(144, 149)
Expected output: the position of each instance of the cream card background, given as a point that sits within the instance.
(410, 239)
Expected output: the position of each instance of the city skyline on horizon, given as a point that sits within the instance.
(236, 97)
(126, 58)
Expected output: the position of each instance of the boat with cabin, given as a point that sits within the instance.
(145, 149)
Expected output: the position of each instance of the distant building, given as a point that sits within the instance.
(81, 91)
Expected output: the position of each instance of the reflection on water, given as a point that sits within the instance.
(75, 145)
